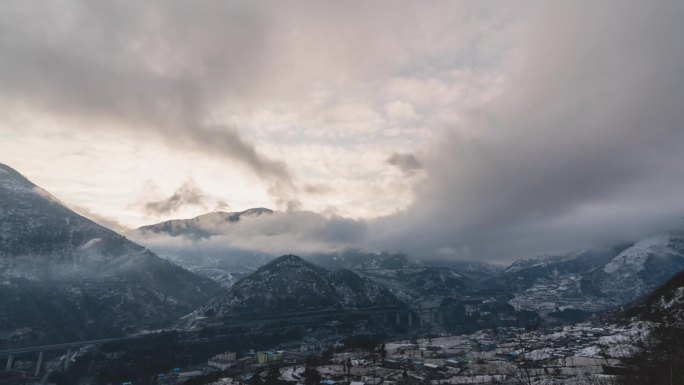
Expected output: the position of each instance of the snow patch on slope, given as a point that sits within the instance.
(676, 300)
(632, 260)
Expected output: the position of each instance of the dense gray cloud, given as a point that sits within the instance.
(584, 148)
(576, 141)
(407, 163)
(187, 194)
(158, 67)
(178, 69)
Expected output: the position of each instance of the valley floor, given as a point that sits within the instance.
(583, 353)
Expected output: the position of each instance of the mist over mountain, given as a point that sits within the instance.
(64, 277)
(583, 282)
(203, 226)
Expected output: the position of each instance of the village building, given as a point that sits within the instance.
(222, 361)
(268, 356)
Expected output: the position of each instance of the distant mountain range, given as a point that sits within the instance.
(64, 277)
(579, 283)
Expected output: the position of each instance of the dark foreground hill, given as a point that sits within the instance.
(64, 277)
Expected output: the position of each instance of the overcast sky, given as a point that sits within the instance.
(486, 130)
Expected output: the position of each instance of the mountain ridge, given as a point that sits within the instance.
(203, 226)
(290, 284)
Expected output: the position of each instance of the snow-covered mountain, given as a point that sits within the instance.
(596, 279)
(215, 223)
(641, 268)
(64, 277)
(290, 284)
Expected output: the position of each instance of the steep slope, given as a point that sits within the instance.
(593, 280)
(664, 305)
(64, 277)
(641, 268)
(289, 284)
(526, 272)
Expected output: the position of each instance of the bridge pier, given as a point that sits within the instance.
(384, 315)
(68, 358)
(39, 363)
(410, 319)
(10, 361)
(441, 317)
(398, 320)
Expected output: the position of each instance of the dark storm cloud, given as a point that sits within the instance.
(584, 148)
(407, 163)
(188, 194)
